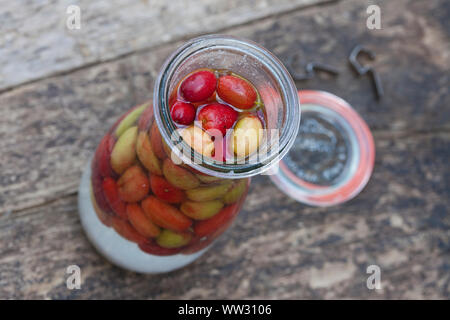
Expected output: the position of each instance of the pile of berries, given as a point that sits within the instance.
(216, 101)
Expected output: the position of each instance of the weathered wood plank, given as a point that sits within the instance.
(35, 41)
(412, 58)
(277, 248)
(49, 128)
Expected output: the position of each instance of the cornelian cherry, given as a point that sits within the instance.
(217, 116)
(198, 86)
(182, 113)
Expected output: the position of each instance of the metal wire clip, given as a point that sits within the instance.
(362, 70)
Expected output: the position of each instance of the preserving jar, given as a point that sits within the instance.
(150, 203)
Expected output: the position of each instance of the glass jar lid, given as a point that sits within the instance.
(333, 155)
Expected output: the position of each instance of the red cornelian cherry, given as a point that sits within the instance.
(217, 116)
(182, 113)
(198, 86)
(236, 91)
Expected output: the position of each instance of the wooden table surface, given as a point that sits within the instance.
(61, 89)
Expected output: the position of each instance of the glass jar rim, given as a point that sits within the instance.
(271, 62)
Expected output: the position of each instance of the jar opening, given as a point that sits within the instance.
(263, 70)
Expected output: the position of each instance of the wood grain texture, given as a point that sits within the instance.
(36, 42)
(278, 248)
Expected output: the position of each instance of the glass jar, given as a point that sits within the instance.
(147, 201)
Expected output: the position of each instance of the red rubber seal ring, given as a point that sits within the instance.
(319, 195)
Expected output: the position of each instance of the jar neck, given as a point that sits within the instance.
(276, 87)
